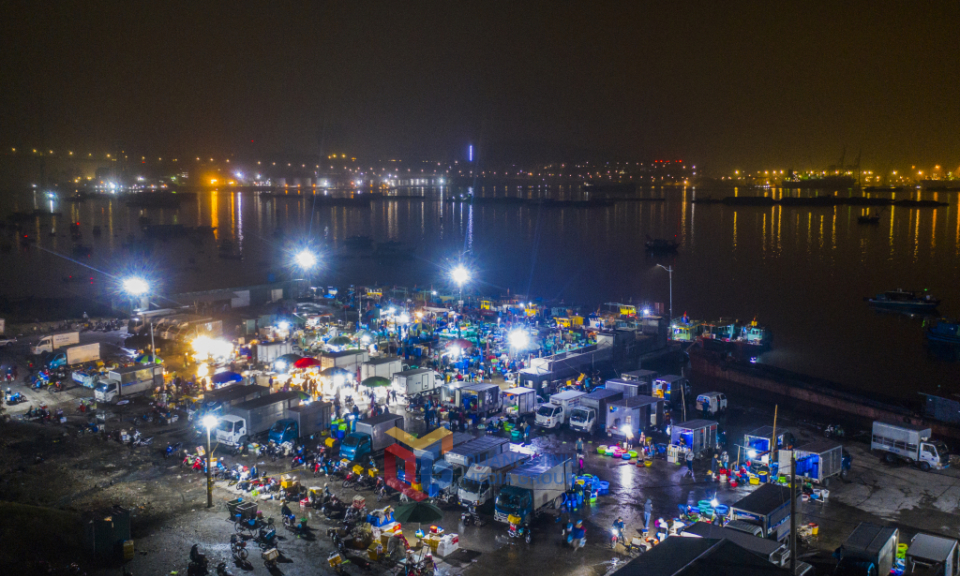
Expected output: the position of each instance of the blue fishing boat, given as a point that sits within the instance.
(943, 331)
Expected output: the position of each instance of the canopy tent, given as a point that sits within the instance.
(306, 362)
(225, 377)
(376, 381)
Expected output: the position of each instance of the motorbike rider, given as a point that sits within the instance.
(617, 528)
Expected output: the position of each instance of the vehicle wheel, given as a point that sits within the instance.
(925, 466)
(558, 502)
(346, 484)
(239, 527)
(890, 458)
(825, 483)
(242, 554)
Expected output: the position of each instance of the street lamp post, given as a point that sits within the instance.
(209, 421)
(460, 276)
(669, 270)
(306, 260)
(138, 288)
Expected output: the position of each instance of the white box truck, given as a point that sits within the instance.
(124, 382)
(556, 412)
(384, 367)
(591, 414)
(242, 422)
(483, 479)
(52, 342)
(903, 442)
(416, 381)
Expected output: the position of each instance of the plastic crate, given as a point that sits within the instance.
(232, 506)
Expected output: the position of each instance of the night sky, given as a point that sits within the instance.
(727, 84)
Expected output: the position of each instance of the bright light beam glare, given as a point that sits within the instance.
(519, 339)
(460, 275)
(135, 286)
(305, 259)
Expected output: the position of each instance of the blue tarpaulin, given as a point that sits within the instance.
(224, 377)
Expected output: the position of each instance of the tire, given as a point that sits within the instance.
(825, 483)
(346, 484)
(925, 466)
(889, 458)
(241, 554)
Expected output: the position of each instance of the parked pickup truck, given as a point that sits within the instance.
(902, 442)
(370, 436)
(534, 487)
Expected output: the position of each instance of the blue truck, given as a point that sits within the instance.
(301, 422)
(534, 487)
(370, 436)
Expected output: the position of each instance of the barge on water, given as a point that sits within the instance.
(904, 300)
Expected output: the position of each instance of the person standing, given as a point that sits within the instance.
(690, 463)
(647, 514)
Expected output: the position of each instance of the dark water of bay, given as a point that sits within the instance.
(801, 271)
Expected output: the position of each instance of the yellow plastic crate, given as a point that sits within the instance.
(357, 469)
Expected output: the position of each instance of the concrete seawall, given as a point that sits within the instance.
(734, 377)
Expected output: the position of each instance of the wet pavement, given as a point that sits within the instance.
(169, 503)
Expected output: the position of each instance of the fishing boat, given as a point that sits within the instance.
(685, 330)
(756, 335)
(904, 300)
(723, 329)
(943, 331)
(661, 245)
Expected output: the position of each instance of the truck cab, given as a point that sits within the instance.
(583, 419)
(58, 360)
(356, 445)
(475, 488)
(935, 454)
(550, 415)
(513, 501)
(232, 430)
(284, 431)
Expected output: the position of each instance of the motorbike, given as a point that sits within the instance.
(834, 431)
(198, 562)
(350, 479)
(222, 569)
(445, 498)
(16, 398)
(172, 449)
(267, 535)
(614, 537)
(471, 517)
(517, 531)
(238, 546)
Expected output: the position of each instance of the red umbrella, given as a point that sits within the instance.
(306, 363)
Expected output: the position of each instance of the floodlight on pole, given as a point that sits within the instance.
(460, 275)
(135, 286)
(305, 259)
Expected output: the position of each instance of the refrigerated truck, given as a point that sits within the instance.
(384, 367)
(476, 450)
(416, 381)
(483, 479)
(248, 420)
(556, 412)
(301, 422)
(903, 442)
(53, 342)
(534, 487)
(75, 355)
(592, 411)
